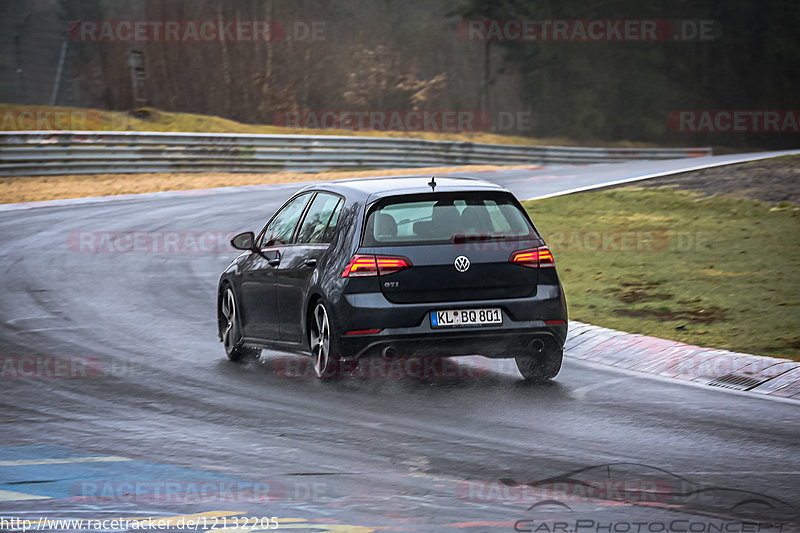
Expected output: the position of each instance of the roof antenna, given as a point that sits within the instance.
(432, 184)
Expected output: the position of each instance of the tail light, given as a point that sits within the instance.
(540, 257)
(362, 265)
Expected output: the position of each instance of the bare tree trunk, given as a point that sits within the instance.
(226, 68)
(484, 97)
(266, 101)
(306, 77)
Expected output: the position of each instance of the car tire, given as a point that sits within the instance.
(540, 367)
(322, 341)
(230, 332)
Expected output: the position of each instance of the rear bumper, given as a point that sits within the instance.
(406, 328)
(472, 341)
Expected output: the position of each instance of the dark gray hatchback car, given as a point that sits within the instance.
(394, 267)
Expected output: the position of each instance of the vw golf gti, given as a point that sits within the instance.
(395, 267)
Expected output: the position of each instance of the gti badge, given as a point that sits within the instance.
(461, 263)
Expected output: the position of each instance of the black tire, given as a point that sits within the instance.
(540, 367)
(230, 331)
(322, 341)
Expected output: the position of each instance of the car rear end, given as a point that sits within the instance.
(456, 272)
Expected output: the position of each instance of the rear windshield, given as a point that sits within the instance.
(446, 218)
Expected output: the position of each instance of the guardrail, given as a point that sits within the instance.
(92, 152)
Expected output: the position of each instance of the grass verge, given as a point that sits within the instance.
(721, 272)
(40, 117)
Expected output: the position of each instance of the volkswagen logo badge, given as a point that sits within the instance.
(461, 263)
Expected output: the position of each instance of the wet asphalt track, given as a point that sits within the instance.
(435, 454)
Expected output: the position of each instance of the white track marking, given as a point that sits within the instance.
(11, 496)
(67, 460)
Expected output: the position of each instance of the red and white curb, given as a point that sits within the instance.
(708, 366)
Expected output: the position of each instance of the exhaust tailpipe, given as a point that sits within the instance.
(389, 351)
(537, 345)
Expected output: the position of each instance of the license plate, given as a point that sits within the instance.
(454, 318)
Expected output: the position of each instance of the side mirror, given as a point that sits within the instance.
(243, 241)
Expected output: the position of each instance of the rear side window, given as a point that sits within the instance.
(446, 218)
(320, 220)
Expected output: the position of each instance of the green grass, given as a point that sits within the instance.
(719, 272)
(150, 119)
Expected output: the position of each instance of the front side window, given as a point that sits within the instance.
(280, 228)
(320, 220)
(449, 218)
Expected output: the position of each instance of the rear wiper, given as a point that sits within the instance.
(460, 238)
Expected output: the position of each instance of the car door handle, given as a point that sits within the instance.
(311, 262)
